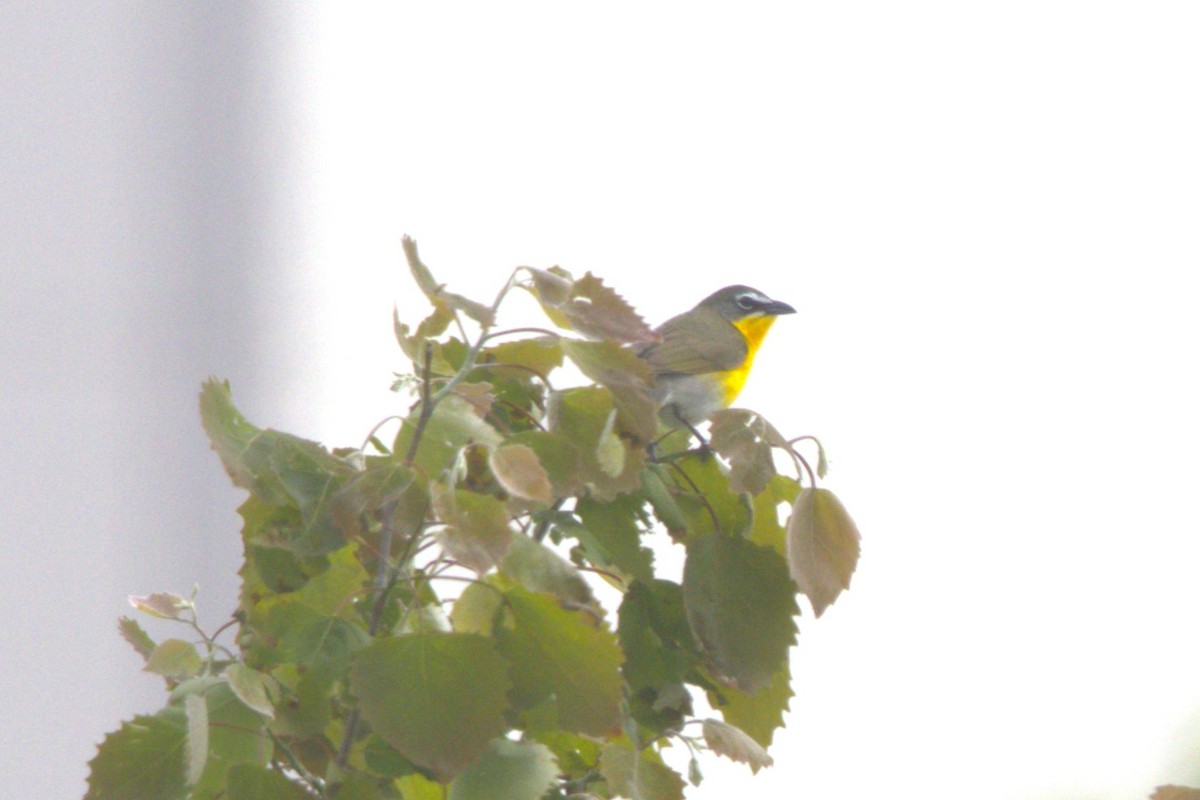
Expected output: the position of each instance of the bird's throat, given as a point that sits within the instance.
(754, 329)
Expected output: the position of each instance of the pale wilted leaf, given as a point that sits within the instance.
(733, 743)
(253, 688)
(197, 736)
(479, 395)
(476, 532)
(165, 605)
(610, 451)
(551, 288)
(742, 438)
(538, 568)
(519, 471)
(1170, 792)
(823, 547)
(597, 311)
(589, 307)
(623, 374)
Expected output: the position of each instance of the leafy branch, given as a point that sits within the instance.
(421, 618)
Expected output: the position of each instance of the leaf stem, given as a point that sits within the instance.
(711, 513)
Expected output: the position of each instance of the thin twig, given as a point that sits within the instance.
(315, 783)
(699, 494)
(426, 408)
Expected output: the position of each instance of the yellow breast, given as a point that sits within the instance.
(754, 329)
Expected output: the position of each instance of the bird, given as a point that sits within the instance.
(702, 357)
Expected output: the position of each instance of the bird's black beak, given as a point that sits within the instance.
(777, 307)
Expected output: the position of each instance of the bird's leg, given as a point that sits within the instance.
(705, 449)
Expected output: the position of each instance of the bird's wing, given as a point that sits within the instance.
(695, 343)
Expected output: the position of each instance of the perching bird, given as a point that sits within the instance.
(705, 355)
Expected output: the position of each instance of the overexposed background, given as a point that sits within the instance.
(985, 213)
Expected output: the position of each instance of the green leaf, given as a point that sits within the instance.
(452, 425)
(740, 603)
(740, 436)
(542, 354)
(759, 714)
(413, 344)
(584, 416)
(518, 470)
(133, 633)
(767, 530)
(654, 634)
(659, 654)
(733, 743)
(654, 484)
(320, 644)
(304, 708)
(626, 376)
(142, 760)
(254, 782)
(476, 532)
(382, 760)
(566, 656)
(175, 659)
(823, 547)
(576, 755)
(236, 734)
(253, 688)
(437, 698)
(702, 489)
(475, 609)
(611, 536)
(281, 469)
(639, 775)
(383, 485)
(537, 568)
(509, 770)
(418, 787)
(437, 294)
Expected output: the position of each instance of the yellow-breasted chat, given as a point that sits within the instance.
(704, 355)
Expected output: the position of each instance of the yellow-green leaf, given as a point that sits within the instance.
(437, 698)
(639, 774)
(476, 532)
(174, 659)
(566, 656)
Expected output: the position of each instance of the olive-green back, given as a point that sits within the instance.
(696, 342)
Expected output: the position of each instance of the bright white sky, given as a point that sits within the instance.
(987, 215)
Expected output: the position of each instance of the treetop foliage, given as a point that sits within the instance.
(420, 618)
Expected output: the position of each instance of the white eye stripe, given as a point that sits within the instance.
(748, 300)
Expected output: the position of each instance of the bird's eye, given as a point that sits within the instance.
(745, 302)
